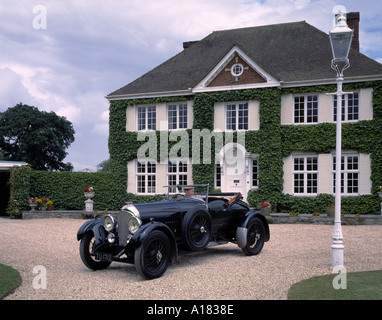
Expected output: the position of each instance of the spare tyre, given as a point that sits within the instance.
(196, 229)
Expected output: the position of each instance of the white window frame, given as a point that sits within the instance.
(146, 177)
(305, 109)
(178, 123)
(237, 69)
(254, 162)
(304, 175)
(355, 96)
(149, 112)
(346, 174)
(180, 174)
(236, 110)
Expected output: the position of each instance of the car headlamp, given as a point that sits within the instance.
(109, 223)
(134, 224)
(111, 237)
(130, 207)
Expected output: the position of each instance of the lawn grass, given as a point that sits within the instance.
(365, 285)
(9, 280)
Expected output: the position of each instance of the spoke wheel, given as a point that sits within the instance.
(86, 253)
(255, 237)
(196, 230)
(153, 256)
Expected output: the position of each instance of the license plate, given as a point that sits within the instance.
(107, 257)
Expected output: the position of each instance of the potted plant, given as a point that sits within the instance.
(88, 192)
(330, 210)
(265, 208)
(41, 204)
(33, 203)
(44, 204)
(49, 205)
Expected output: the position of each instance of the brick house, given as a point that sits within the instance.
(265, 83)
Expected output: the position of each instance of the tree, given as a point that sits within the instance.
(37, 137)
(103, 166)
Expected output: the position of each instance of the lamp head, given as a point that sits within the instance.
(340, 40)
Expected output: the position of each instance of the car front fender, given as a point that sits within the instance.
(94, 225)
(140, 236)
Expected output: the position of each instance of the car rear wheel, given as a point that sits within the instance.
(153, 256)
(255, 237)
(86, 247)
(196, 229)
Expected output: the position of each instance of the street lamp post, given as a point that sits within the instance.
(340, 41)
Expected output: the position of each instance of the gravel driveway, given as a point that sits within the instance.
(295, 252)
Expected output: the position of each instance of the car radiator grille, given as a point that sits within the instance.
(123, 228)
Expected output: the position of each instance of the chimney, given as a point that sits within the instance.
(353, 23)
(188, 44)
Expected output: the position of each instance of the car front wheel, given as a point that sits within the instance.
(86, 248)
(255, 237)
(153, 256)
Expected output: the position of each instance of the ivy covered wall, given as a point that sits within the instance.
(272, 142)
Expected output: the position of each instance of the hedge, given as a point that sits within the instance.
(65, 189)
(19, 186)
(364, 204)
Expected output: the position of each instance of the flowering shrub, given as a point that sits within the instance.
(265, 204)
(316, 213)
(42, 202)
(294, 213)
(89, 189)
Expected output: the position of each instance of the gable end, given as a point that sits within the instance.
(228, 78)
(247, 75)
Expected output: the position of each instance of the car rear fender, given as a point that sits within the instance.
(94, 225)
(241, 231)
(140, 236)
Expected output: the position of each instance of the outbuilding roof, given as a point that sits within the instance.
(7, 165)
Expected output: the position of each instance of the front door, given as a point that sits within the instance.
(234, 177)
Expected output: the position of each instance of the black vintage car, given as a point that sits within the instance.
(151, 235)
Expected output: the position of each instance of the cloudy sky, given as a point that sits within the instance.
(89, 48)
